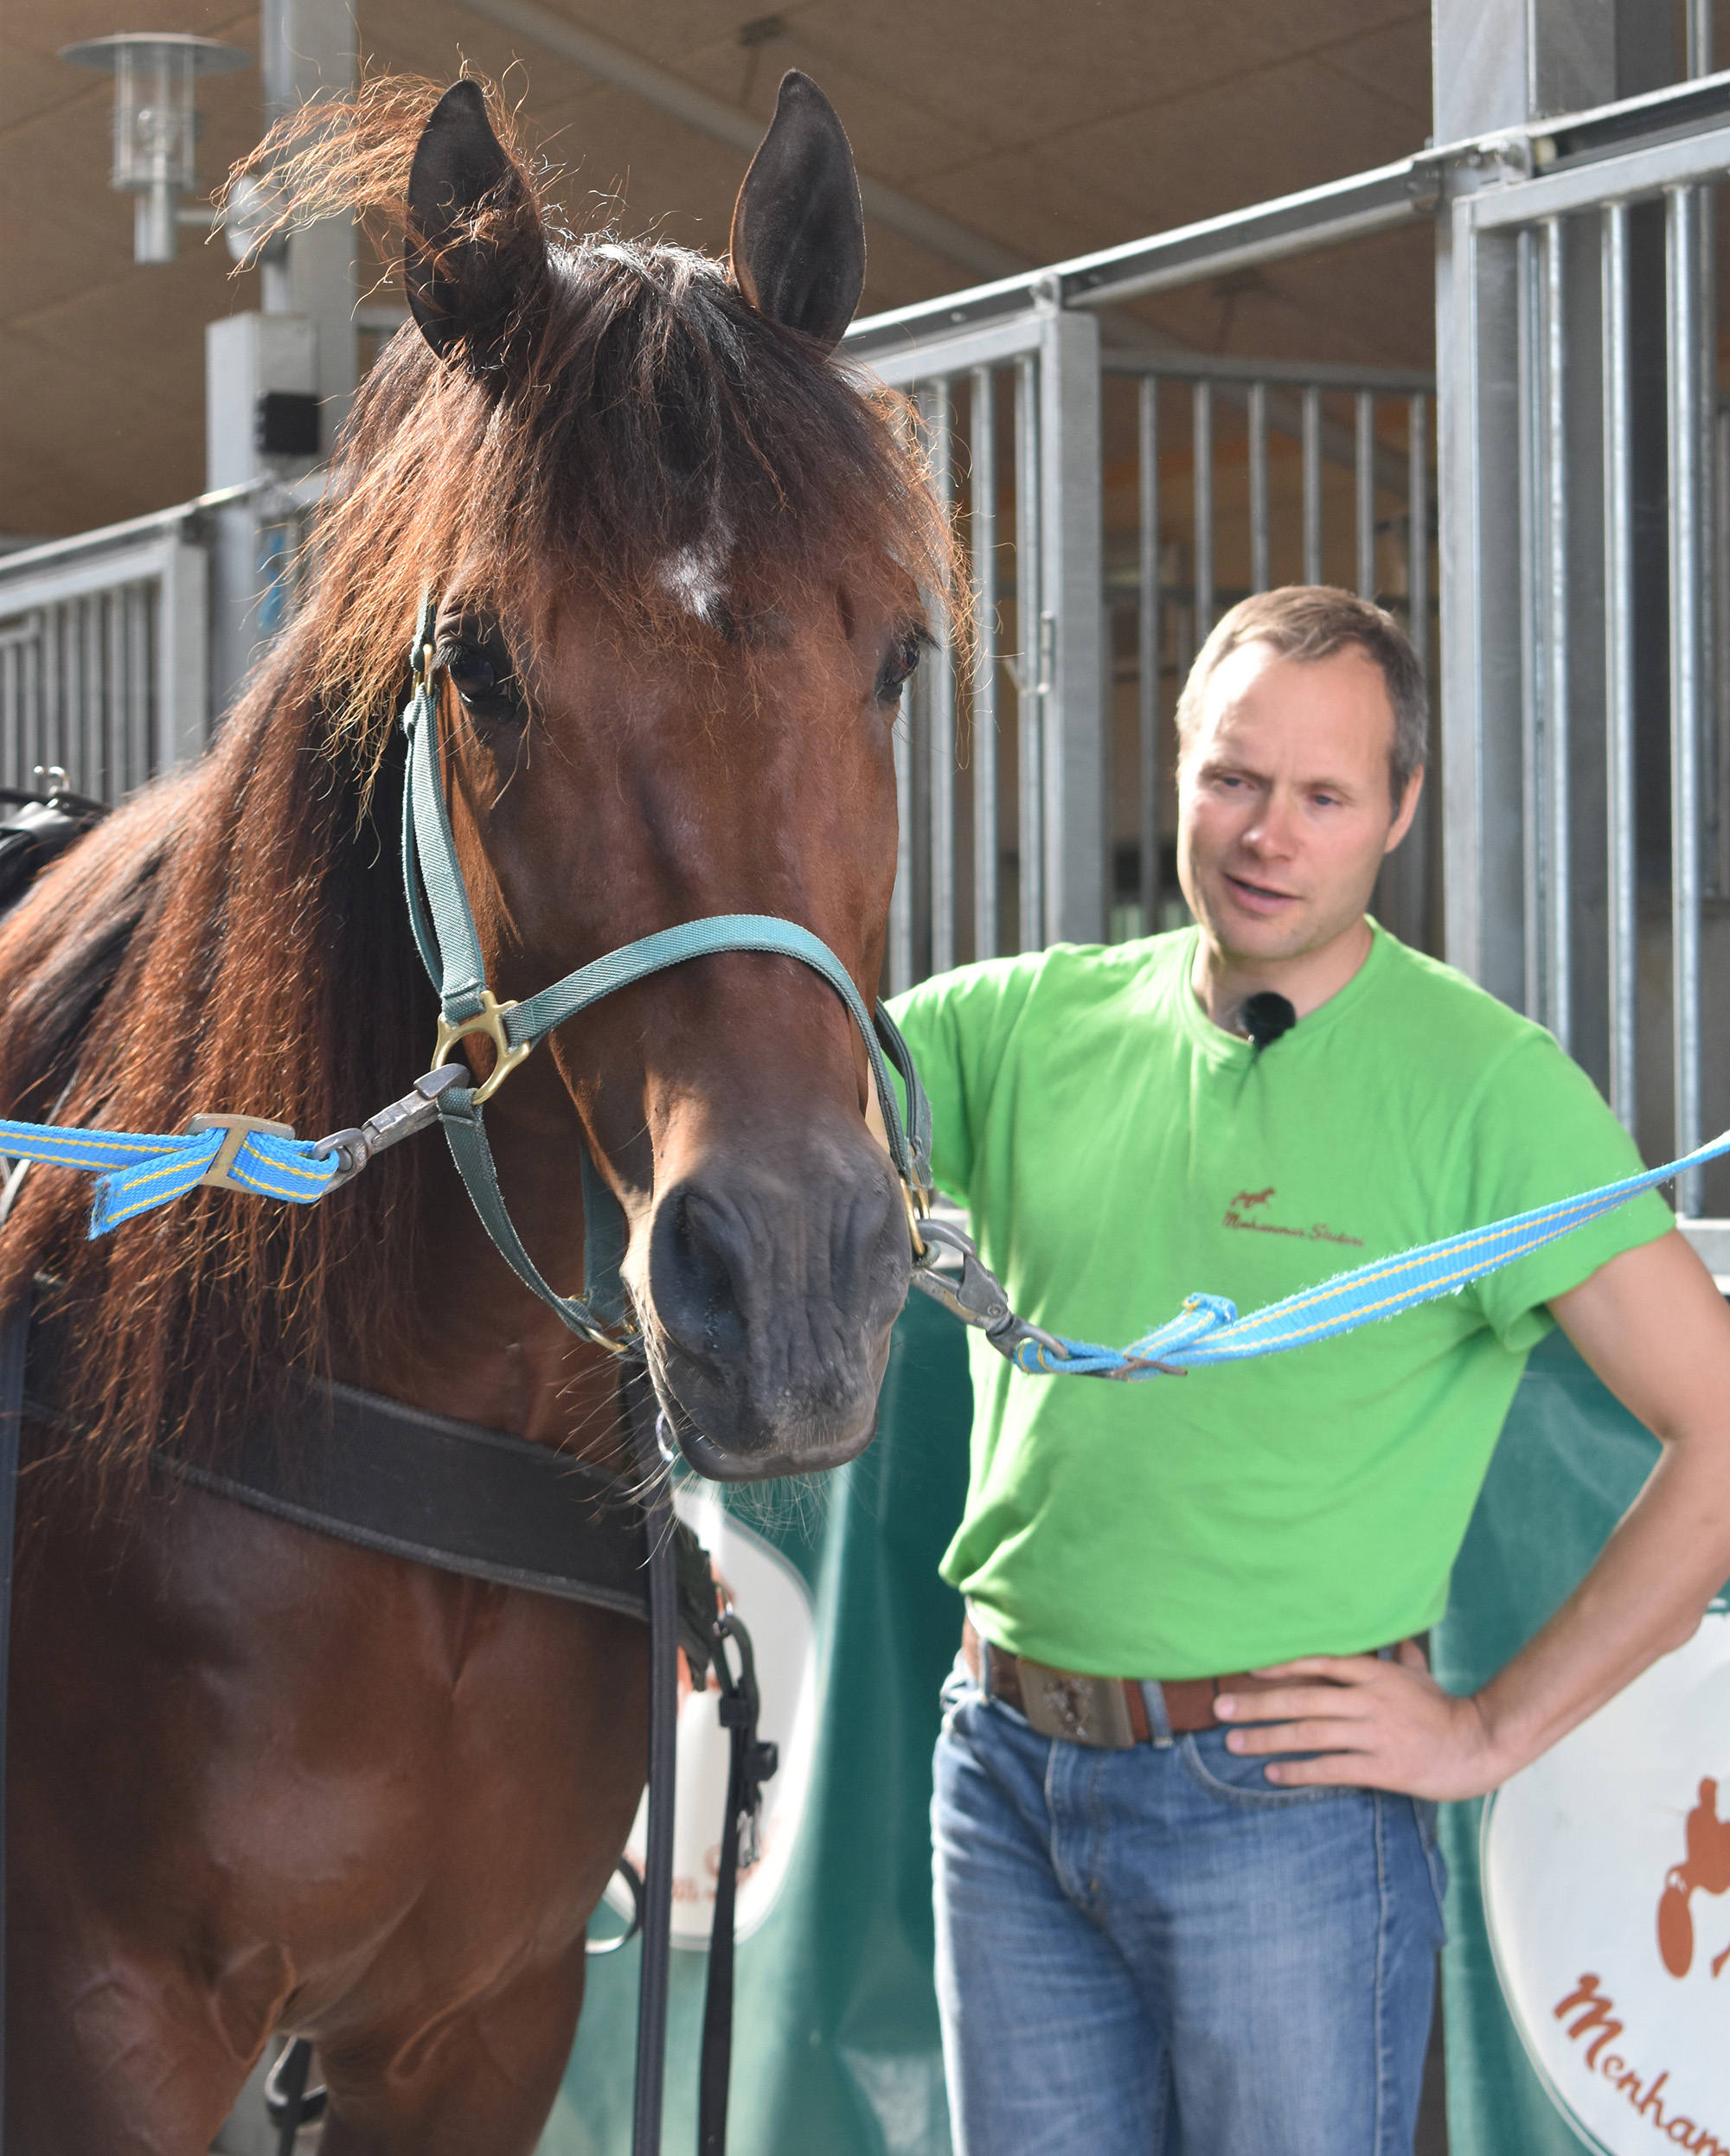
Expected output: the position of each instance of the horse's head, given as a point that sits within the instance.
(676, 607)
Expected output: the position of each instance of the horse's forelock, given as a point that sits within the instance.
(659, 411)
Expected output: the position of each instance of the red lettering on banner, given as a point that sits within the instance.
(1594, 2010)
(1595, 2015)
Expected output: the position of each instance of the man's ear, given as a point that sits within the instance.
(798, 230)
(1408, 809)
(475, 260)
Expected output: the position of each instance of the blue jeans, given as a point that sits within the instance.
(1156, 1953)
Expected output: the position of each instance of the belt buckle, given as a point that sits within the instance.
(1089, 1710)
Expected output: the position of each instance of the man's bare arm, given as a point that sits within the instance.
(1653, 1327)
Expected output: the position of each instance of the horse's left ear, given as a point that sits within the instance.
(798, 231)
(475, 260)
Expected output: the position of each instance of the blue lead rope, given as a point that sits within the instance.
(139, 1172)
(1209, 1329)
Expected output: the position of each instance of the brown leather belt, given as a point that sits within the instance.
(1106, 1712)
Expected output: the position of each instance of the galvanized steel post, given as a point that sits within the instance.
(1312, 486)
(1363, 476)
(1202, 439)
(1417, 525)
(936, 420)
(1555, 898)
(1148, 641)
(983, 507)
(1033, 680)
(1072, 570)
(1618, 668)
(1682, 268)
(1483, 680)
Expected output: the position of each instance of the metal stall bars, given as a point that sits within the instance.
(1029, 390)
(107, 640)
(104, 654)
(1009, 372)
(1247, 518)
(1575, 289)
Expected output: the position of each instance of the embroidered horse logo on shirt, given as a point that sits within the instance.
(1249, 1210)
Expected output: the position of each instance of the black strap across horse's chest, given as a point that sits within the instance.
(435, 1491)
(369, 1470)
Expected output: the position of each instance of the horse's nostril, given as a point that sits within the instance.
(773, 1294)
(692, 1276)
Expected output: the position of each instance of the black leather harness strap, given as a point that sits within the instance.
(436, 1491)
(14, 1341)
(643, 1410)
(439, 1491)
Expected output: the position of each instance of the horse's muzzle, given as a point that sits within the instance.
(772, 1284)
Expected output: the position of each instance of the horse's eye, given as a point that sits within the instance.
(485, 683)
(898, 668)
(471, 670)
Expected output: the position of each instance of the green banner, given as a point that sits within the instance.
(835, 2044)
(1583, 2007)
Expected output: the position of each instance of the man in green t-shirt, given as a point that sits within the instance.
(1187, 1890)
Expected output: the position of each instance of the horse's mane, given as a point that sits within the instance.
(235, 937)
(661, 425)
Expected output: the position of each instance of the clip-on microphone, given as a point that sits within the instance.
(1264, 1016)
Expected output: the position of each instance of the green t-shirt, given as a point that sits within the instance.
(1118, 1151)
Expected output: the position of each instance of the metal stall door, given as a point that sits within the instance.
(1013, 858)
(1112, 505)
(103, 667)
(1227, 476)
(1588, 845)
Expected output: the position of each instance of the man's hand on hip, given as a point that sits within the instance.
(1371, 1723)
(1654, 1328)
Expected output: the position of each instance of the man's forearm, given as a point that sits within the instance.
(1653, 1327)
(1643, 1598)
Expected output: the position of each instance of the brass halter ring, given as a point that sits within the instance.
(490, 1021)
(916, 1202)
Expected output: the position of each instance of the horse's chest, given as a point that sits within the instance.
(376, 1763)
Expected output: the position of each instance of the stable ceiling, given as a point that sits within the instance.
(1049, 130)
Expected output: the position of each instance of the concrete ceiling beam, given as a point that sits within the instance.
(667, 92)
(681, 100)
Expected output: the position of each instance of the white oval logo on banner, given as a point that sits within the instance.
(775, 1604)
(1606, 1893)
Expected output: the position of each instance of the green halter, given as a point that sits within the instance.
(444, 926)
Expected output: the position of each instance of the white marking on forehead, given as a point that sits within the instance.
(696, 575)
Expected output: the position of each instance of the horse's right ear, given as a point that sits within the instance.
(475, 259)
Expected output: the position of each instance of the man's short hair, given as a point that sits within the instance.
(1308, 622)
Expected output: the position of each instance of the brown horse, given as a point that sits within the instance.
(262, 1779)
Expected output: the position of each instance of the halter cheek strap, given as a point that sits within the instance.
(444, 926)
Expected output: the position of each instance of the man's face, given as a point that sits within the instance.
(1284, 809)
